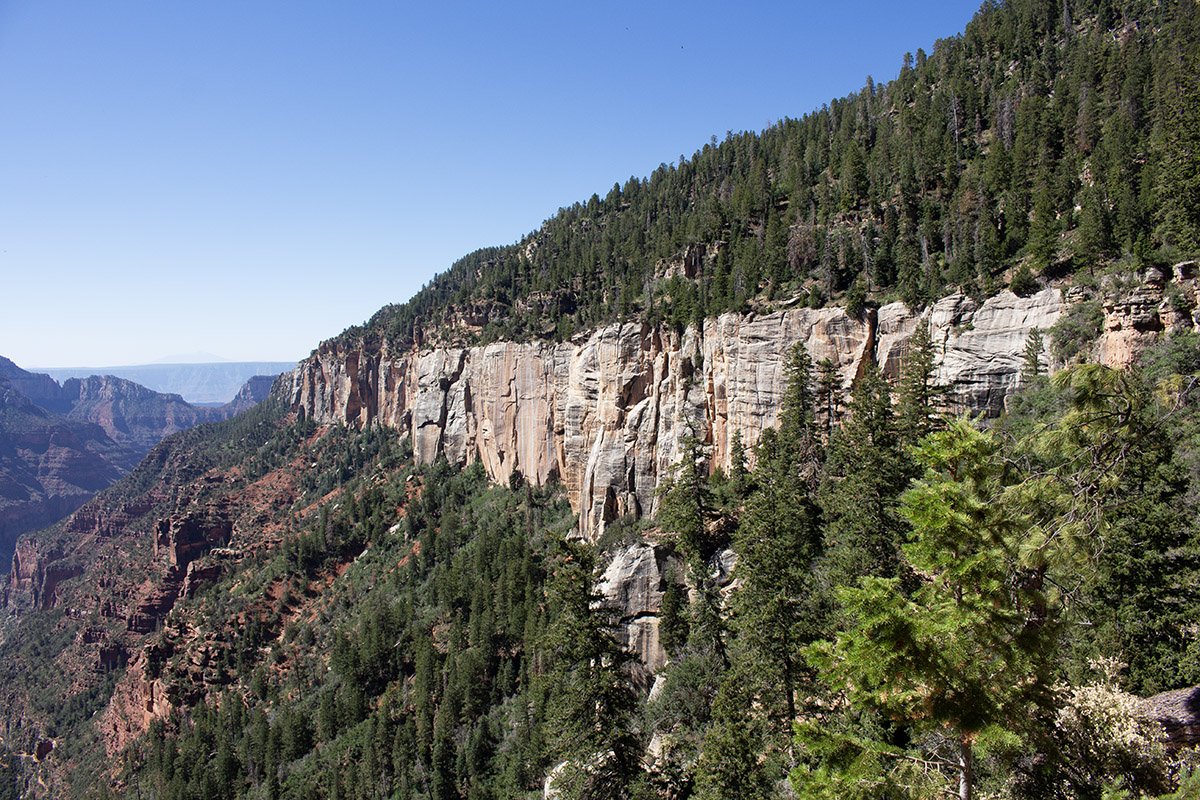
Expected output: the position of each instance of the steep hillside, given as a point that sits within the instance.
(59, 445)
(749, 480)
(1047, 139)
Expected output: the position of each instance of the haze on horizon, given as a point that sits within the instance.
(251, 179)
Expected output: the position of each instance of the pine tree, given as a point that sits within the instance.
(829, 395)
(1116, 455)
(1044, 227)
(798, 412)
(777, 543)
(687, 501)
(777, 607)
(1095, 228)
(591, 696)
(918, 408)
(965, 655)
(1031, 362)
(1177, 189)
(739, 473)
(799, 441)
(730, 763)
(863, 478)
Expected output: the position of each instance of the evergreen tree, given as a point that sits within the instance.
(592, 700)
(965, 655)
(687, 501)
(1113, 453)
(1023, 283)
(829, 395)
(777, 606)
(731, 763)
(739, 473)
(1095, 228)
(918, 408)
(799, 441)
(864, 476)
(1177, 189)
(1031, 361)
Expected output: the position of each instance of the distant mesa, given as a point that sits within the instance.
(191, 358)
(208, 383)
(62, 443)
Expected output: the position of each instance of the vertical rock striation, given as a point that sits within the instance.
(605, 413)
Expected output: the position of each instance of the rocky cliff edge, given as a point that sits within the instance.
(605, 413)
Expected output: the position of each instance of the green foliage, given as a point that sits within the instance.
(975, 154)
(828, 395)
(687, 502)
(779, 539)
(1177, 139)
(918, 404)
(453, 644)
(1023, 283)
(1115, 446)
(11, 778)
(1104, 739)
(436, 638)
(452, 661)
(730, 764)
(1076, 330)
(965, 653)
(856, 297)
(592, 702)
(865, 474)
(1031, 360)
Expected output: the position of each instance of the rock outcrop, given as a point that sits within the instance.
(59, 445)
(1178, 712)
(187, 536)
(633, 585)
(1135, 316)
(36, 574)
(605, 412)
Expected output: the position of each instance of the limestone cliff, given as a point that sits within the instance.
(605, 412)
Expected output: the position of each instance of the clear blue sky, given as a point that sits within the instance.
(249, 178)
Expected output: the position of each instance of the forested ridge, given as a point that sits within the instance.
(919, 607)
(880, 600)
(1049, 137)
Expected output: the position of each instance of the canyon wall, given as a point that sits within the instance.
(605, 413)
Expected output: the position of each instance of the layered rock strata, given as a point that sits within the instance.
(606, 412)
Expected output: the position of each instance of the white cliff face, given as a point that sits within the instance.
(606, 413)
(633, 584)
(981, 348)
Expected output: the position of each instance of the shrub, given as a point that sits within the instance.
(1105, 741)
(1076, 330)
(1023, 283)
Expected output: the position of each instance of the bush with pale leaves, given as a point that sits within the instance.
(1105, 741)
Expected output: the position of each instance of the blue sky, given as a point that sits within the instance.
(249, 178)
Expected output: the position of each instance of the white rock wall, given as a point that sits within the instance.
(606, 412)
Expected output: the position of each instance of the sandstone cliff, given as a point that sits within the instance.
(605, 412)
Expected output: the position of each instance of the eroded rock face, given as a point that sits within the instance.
(606, 412)
(136, 702)
(633, 585)
(185, 537)
(36, 575)
(1134, 317)
(981, 347)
